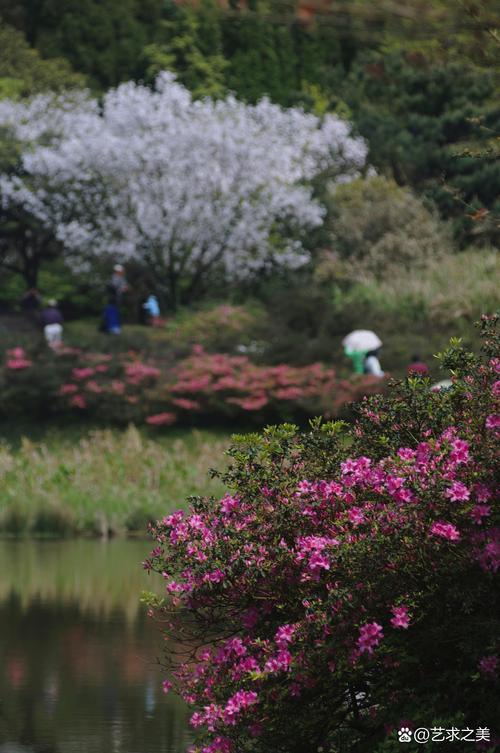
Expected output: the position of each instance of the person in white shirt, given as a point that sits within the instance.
(372, 364)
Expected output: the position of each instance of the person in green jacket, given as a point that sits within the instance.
(358, 359)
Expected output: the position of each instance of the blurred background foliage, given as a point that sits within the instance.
(409, 250)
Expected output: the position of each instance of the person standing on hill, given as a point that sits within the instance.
(362, 347)
(372, 364)
(152, 309)
(117, 285)
(52, 321)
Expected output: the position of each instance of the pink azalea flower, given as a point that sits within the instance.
(166, 686)
(219, 745)
(16, 352)
(280, 662)
(289, 393)
(479, 512)
(118, 386)
(214, 577)
(318, 562)
(68, 389)
(370, 636)
(161, 419)
(254, 403)
(240, 701)
(137, 372)
(83, 373)
(356, 516)
(401, 618)
(489, 556)
(284, 635)
(493, 422)
(185, 404)
(92, 386)
(460, 451)
(17, 364)
(483, 492)
(457, 492)
(229, 504)
(488, 665)
(405, 453)
(445, 530)
(78, 401)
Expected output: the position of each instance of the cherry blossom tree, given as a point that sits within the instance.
(186, 186)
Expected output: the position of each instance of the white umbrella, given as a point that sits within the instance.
(362, 340)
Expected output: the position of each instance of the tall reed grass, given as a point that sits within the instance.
(455, 286)
(106, 483)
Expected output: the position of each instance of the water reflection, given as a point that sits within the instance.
(77, 653)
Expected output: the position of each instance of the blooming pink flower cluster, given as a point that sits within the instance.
(400, 617)
(16, 360)
(225, 384)
(488, 664)
(370, 636)
(138, 372)
(97, 385)
(161, 419)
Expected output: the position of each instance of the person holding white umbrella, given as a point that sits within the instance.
(362, 347)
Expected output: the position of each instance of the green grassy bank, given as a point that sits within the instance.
(102, 482)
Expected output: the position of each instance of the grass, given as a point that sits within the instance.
(419, 312)
(454, 287)
(104, 482)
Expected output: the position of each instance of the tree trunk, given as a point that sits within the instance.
(30, 273)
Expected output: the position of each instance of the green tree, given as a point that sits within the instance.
(434, 127)
(189, 43)
(23, 242)
(102, 40)
(23, 72)
(262, 55)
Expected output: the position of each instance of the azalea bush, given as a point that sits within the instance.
(220, 328)
(125, 387)
(217, 385)
(111, 388)
(347, 583)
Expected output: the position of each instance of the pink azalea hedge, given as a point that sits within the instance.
(216, 384)
(202, 386)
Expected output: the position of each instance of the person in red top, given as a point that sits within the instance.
(417, 367)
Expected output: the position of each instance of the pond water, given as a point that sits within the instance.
(78, 656)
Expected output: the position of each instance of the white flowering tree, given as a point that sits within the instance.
(185, 186)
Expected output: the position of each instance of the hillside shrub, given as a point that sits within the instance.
(347, 583)
(221, 328)
(379, 228)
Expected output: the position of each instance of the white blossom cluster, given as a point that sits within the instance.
(179, 183)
